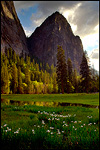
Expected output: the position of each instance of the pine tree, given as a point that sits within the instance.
(20, 89)
(4, 79)
(75, 81)
(14, 56)
(69, 69)
(14, 83)
(85, 74)
(47, 67)
(52, 69)
(27, 80)
(61, 70)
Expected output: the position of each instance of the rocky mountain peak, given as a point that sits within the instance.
(54, 31)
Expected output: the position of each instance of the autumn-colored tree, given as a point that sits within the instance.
(14, 81)
(4, 79)
(20, 89)
(27, 79)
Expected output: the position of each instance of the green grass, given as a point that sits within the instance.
(92, 99)
(23, 119)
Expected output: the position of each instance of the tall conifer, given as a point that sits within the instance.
(14, 82)
(69, 69)
(85, 74)
(61, 70)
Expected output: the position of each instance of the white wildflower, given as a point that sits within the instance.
(95, 130)
(75, 121)
(32, 130)
(51, 127)
(79, 121)
(94, 123)
(66, 124)
(73, 127)
(43, 122)
(49, 119)
(90, 123)
(62, 131)
(48, 131)
(9, 129)
(59, 133)
(63, 121)
(57, 119)
(81, 126)
(5, 125)
(51, 132)
(16, 132)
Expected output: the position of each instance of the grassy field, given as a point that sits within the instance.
(37, 127)
(83, 98)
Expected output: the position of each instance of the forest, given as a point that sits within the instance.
(24, 75)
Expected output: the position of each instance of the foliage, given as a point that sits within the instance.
(18, 75)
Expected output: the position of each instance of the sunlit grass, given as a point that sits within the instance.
(83, 98)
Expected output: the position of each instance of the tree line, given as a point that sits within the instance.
(21, 75)
(70, 81)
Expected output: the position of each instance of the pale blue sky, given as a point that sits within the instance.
(83, 17)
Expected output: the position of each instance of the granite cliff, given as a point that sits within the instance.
(12, 33)
(54, 31)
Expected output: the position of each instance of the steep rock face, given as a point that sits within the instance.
(12, 33)
(54, 31)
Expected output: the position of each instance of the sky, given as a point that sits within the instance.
(83, 16)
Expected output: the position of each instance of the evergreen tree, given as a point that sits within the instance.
(61, 70)
(75, 81)
(27, 80)
(4, 79)
(20, 90)
(85, 74)
(47, 67)
(14, 57)
(14, 83)
(52, 69)
(69, 69)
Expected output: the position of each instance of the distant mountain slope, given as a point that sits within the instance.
(12, 33)
(55, 30)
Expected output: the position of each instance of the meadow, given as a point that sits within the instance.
(83, 98)
(38, 127)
